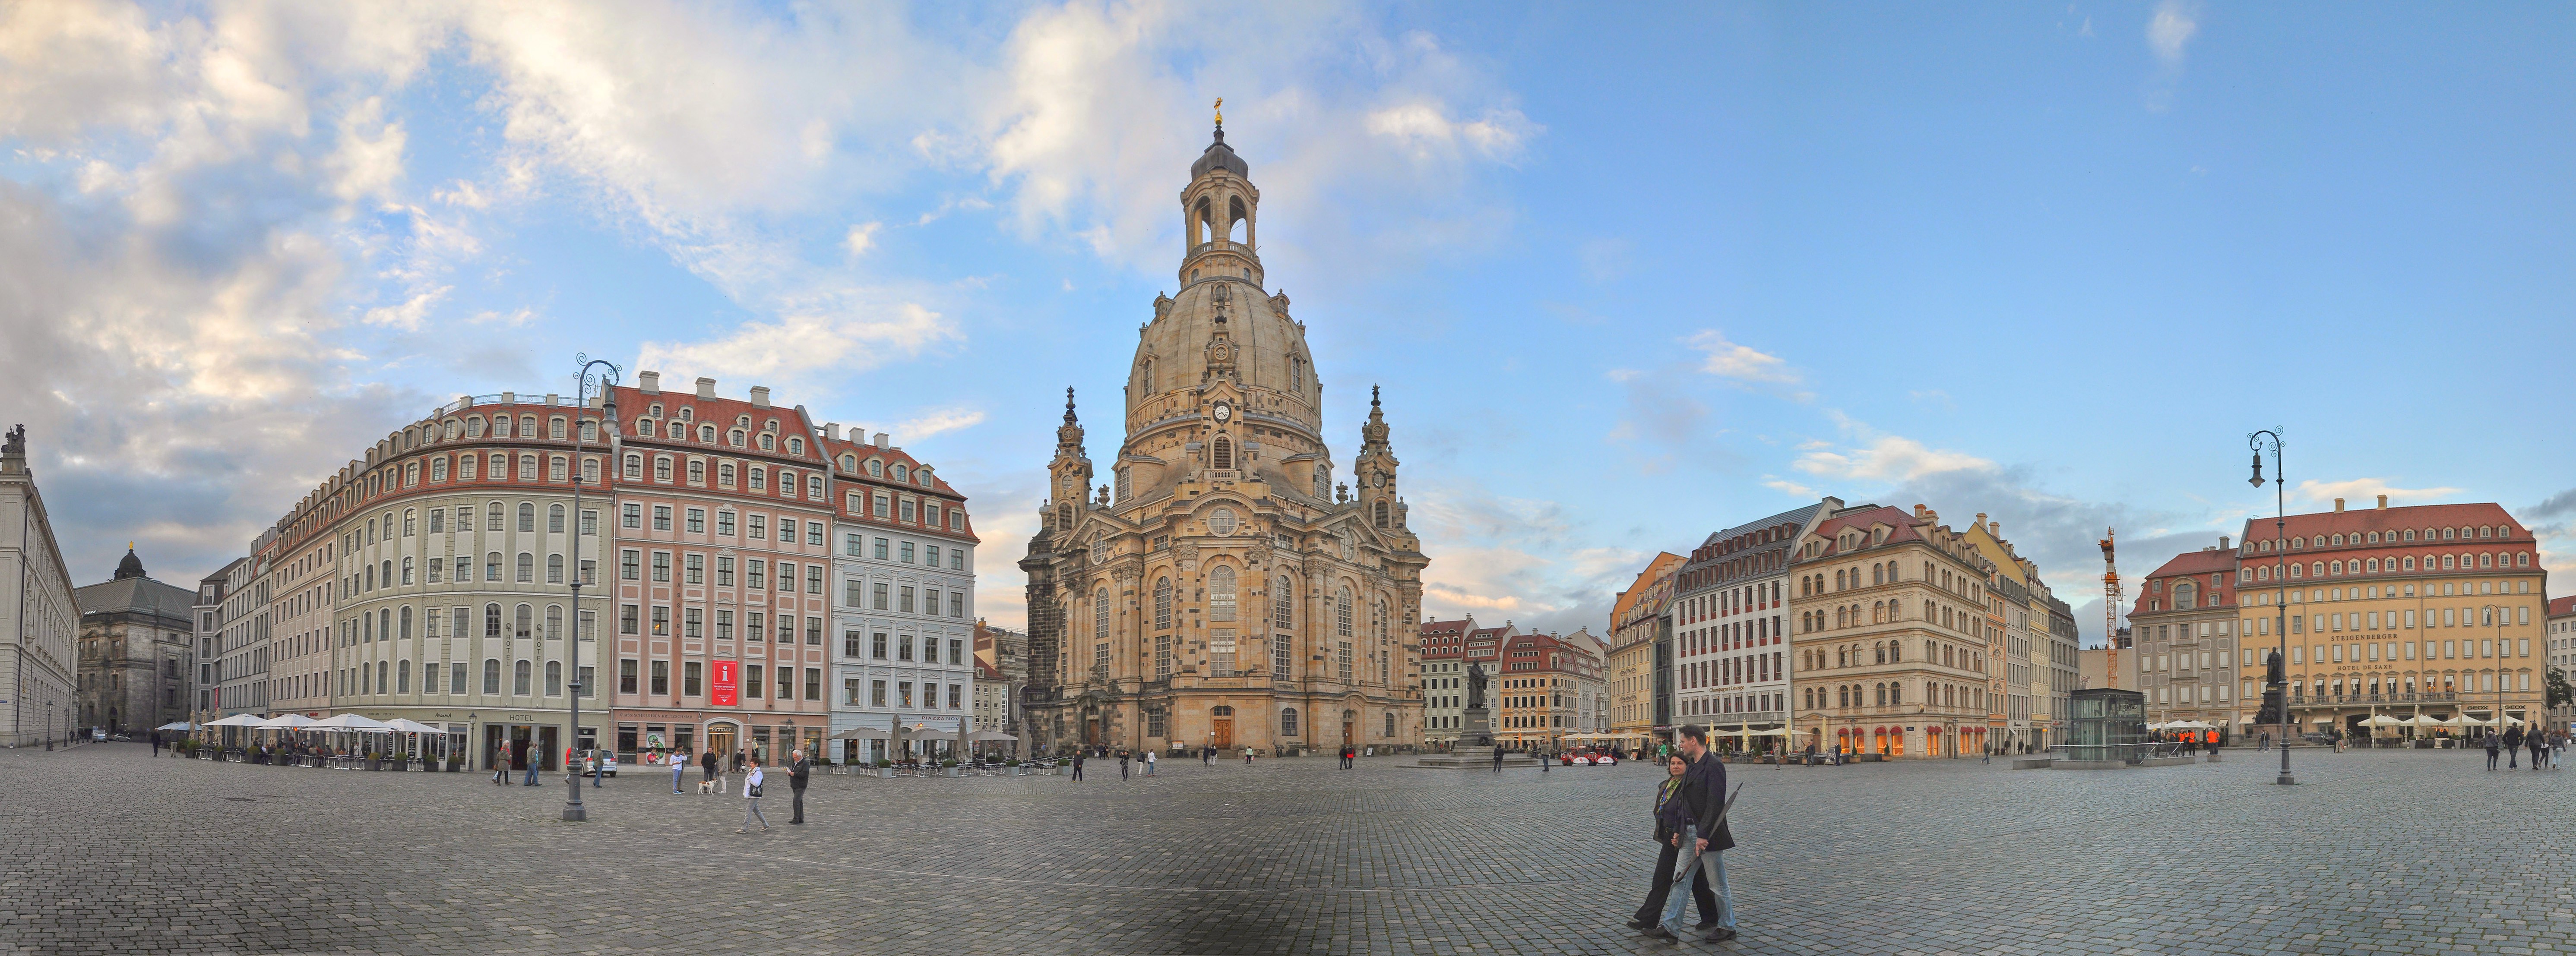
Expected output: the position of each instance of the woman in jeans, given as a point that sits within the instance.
(751, 798)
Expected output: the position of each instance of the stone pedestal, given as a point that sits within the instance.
(1475, 748)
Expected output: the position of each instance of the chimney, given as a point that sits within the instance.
(760, 396)
(2383, 502)
(2222, 543)
(832, 430)
(649, 383)
(881, 439)
(706, 387)
(1995, 528)
(2338, 506)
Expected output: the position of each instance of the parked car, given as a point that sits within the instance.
(603, 761)
(98, 733)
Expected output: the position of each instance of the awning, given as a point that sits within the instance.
(349, 722)
(284, 722)
(402, 726)
(178, 725)
(861, 733)
(982, 735)
(237, 720)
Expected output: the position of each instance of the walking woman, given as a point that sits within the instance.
(751, 800)
(501, 765)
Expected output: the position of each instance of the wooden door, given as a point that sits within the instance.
(1221, 732)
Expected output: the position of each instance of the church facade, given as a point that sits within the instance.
(1223, 588)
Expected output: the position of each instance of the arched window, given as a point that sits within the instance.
(527, 568)
(1896, 695)
(492, 566)
(1221, 593)
(1323, 481)
(491, 623)
(1100, 614)
(1162, 604)
(525, 621)
(662, 468)
(1881, 652)
(1283, 606)
(1342, 612)
(707, 434)
(634, 467)
(554, 569)
(554, 519)
(519, 678)
(697, 472)
(1223, 458)
(402, 678)
(554, 678)
(554, 622)
(1287, 721)
(492, 675)
(1381, 521)
(492, 516)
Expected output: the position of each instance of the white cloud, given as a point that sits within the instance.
(2172, 26)
(803, 343)
(2365, 490)
(1889, 458)
(1742, 363)
(1425, 132)
(408, 315)
(937, 421)
(1776, 483)
(862, 238)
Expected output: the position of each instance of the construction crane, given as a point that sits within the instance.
(2110, 610)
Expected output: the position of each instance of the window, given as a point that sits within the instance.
(751, 683)
(661, 517)
(662, 566)
(554, 568)
(697, 521)
(631, 516)
(693, 569)
(691, 673)
(519, 679)
(628, 562)
(1282, 606)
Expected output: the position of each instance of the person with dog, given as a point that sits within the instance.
(711, 763)
(751, 800)
(1703, 838)
(799, 770)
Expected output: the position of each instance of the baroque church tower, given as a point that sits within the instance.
(1222, 589)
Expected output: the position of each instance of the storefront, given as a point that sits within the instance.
(645, 733)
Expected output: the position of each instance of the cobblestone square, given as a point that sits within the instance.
(2377, 852)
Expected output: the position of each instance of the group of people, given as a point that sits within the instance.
(2546, 746)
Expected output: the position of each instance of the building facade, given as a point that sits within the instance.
(2188, 655)
(723, 553)
(233, 641)
(1005, 653)
(302, 560)
(1635, 625)
(1444, 678)
(906, 610)
(2018, 644)
(1731, 621)
(39, 672)
(1888, 647)
(2434, 610)
(1224, 590)
(137, 650)
(1542, 689)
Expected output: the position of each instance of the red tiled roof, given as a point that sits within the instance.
(2565, 605)
(2391, 519)
(1902, 526)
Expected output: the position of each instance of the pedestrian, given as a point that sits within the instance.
(1122, 763)
(156, 743)
(1545, 759)
(1077, 764)
(679, 767)
(501, 765)
(2491, 751)
(1149, 763)
(1703, 839)
(1671, 814)
(751, 801)
(1498, 760)
(2557, 747)
(532, 756)
(2512, 747)
(799, 770)
(2533, 742)
(1207, 755)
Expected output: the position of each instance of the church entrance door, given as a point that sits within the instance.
(1221, 732)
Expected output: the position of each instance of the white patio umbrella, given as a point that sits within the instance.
(350, 723)
(177, 725)
(401, 725)
(236, 720)
(2383, 720)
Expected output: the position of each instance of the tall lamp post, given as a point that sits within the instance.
(2280, 592)
(573, 811)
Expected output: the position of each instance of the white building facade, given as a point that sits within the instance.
(37, 615)
(904, 606)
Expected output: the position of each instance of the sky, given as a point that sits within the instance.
(1627, 274)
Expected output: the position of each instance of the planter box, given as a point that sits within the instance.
(952, 771)
(885, 773)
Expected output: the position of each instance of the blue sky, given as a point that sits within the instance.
(1626, 273)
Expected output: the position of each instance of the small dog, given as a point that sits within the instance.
(708, 786)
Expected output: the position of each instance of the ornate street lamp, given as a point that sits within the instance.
(573, 811)
(2280, 593)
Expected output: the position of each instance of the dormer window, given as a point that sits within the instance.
(654, 410)
(707, 434)
(687, 413)
(902, 474)
(876, 468)
(766, 442)
(796, 446)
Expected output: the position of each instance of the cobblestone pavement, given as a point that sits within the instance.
(2377, 852)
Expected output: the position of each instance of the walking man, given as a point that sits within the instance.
(1703, 840)
(1077, 765)
(799, 770)
(156, 743)
(679, 768)
(2512, 748)
(1149, 763)
(534, 757)
(1122, 764)
(1498, 760)
(2491, 751)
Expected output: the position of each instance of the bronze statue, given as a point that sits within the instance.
(1475, 687)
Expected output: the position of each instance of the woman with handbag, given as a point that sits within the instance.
(751, 798)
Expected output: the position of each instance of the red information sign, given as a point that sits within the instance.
(727, 684)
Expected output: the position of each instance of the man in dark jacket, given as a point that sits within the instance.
(799, 770)
(710, 761)
(1704, 793)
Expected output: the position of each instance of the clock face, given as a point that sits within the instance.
(1224, 412)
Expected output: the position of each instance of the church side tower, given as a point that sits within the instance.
(1224, 590)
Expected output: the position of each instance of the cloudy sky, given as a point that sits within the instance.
(1626, 274)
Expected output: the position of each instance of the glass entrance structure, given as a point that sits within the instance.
(2107, 724)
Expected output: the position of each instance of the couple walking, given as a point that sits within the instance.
(799, 770)
(1691, 829)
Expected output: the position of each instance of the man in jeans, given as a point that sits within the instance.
(799, 770)
(1704, 792)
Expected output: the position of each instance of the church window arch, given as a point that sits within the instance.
(1221, 593)
(1222, 458)
(1221, 522)
(1163, 604)
(1342, 612)
(1100, 614)
(1283, 604)
(1381, 514)
(1145, 377)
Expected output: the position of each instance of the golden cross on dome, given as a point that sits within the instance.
(1220, 111)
